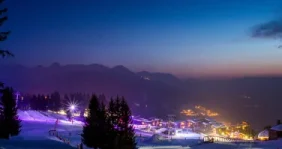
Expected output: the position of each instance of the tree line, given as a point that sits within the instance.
(108, 127)
(55, 102)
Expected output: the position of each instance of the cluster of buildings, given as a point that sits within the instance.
(200, 125)
(240, 131)
(199, 111)
(272, 133)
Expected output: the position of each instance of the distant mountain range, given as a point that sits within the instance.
(144, 90)
(257, 99)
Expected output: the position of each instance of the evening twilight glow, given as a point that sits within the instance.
(146, 74)
(185, 37)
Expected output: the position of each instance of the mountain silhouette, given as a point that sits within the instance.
(96, 78)
(256, 99)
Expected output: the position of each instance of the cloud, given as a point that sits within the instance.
(271, 30)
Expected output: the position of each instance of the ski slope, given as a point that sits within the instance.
(35, 132)
(34, 135)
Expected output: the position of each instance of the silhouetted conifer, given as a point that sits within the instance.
(127, 135)
(120, 117)
(10, 123)
(55, 102)
(95, 130)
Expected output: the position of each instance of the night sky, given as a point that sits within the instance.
(183, 37)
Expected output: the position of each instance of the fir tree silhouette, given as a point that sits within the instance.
(95, 128)
(10, 124)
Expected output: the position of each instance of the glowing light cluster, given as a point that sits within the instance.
(240, 131)
(211, 114)
(206, 112)
(201, 111)
(189, 112)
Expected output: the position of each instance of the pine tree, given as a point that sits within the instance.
(92, 131)
(120, 118)
(43, 102)
(113, 122)
(114, 112)
(39, 102)
(55, 102)
(10, 123)
(127, 134)
(107, 128)
(33, 103)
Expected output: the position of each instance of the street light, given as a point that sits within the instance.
(72, 107)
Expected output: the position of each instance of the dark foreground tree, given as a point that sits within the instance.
(10, 124)
(120, 117)
(113, 118)
(127, 140)
(95, 130)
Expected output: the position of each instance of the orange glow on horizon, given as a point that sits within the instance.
(228, 70)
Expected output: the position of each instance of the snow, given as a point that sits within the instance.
(35, 132)
(33, 144)
(263, 134)
(34, 135)
(36, 126)
(277, 127)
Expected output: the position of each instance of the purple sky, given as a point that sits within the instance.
(184, 37)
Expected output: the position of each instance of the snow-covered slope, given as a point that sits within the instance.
(33, 144)
(49, 117)
(36, 126)
(35, 132)
(277, 127)
(34, 135)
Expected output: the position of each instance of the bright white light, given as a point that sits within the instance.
(72, 107)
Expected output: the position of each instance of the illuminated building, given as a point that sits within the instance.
(189, 112)
(199, 110)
